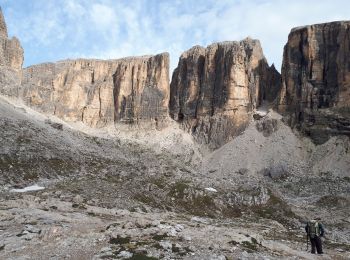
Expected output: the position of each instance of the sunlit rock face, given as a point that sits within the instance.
(315, 90)
(132, 90)
(11, 60)
(215, 89)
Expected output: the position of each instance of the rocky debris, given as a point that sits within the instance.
(267, 126)
(55, 125)
(241, 159)
(98, 93)
(215, 89)
(29, 232)
(315, 80)
(105, 253)
(276, 172)
(74, 234)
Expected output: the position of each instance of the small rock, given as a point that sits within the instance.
(166, 245)
(78, 199)
(172, 232)
(125, 254)
(141, 251)
(186, 238)
(29, 236)
(57, 126)
(78, 206)
(105, 249)
(176, 248)
(32, 229)
(128, 225)
(122, 212)
(200, 220)
(105, 255)
(155, 223)
(142, 223)
(179, 227)
(243, 171)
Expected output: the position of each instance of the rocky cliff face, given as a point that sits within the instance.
(11, 60)
(96, 92)
(215, 89)
(132, 90)
(316, 79)
(3, 27)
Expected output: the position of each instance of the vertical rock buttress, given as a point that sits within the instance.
(215, 89)
(315, 94)
(11, 60)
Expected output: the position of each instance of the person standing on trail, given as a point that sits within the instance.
(315, 231)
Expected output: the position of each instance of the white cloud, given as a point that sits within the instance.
(103, 16)
(113, 29)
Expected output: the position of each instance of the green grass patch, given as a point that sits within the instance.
(249, 245)
(179, 189)
(159, 237)
(140, 256)
(119, 240)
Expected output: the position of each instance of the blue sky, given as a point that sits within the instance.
(52, 30)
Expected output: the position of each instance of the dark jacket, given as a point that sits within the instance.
(308, 230)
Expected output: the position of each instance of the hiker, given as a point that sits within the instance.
(315, 231)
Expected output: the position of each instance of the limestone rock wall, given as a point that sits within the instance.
(215, 89)
(141, 89)
(11, 60)
(97, 93)
(315, 90)
(3, 27)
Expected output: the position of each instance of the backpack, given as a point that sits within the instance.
(313, 229)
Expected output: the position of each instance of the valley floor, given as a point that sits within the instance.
(158, 195)
(48, 225)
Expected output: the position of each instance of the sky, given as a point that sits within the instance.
(51, 30)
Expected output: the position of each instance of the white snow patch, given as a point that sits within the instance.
(211, 189)
(34, 187)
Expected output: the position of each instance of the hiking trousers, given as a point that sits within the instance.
(316, 243)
